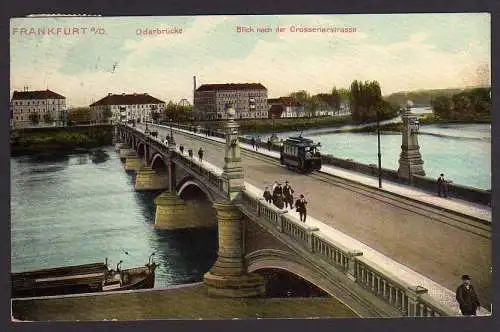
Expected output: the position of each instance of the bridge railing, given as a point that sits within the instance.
(411, 300)
(210, 176)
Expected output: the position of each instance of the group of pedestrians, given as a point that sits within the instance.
(282, 198)
(255, 143)
(190, 152)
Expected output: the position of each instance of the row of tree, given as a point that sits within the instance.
(321, 101)
(474, 104)
(366, 102)
(364, 99)
(35, 118)
(173, 112)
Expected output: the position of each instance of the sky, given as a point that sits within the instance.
(102, 55)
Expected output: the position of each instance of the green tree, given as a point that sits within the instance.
(344, 94)
(107, 114)
(366, 100)
(155, 116)
(47, 118)
(442, 106)
(79, 114)
(177, 113)
(34, 118)
(301, 96)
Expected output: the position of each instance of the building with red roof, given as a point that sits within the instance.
(248, 99)
(135, 106)
(48, 105)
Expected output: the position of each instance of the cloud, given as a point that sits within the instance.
(412, 57)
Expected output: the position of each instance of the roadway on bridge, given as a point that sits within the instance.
(438, 245)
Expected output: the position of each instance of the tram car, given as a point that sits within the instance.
(300, 154)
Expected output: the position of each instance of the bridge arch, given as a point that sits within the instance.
(141, 149)
(158, 162)
(292, 263)
(192, 182)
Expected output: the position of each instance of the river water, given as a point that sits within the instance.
(461, 151)
(75, 209)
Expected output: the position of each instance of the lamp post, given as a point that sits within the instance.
(171, 130)
(379, 154)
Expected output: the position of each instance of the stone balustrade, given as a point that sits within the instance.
(411, 300)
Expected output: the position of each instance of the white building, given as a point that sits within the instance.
(249, 100)
(126, 107)
(47, 104)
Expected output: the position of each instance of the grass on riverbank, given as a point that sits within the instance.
(63, 139)
(190, 302)
(430, 118)
(281, 125)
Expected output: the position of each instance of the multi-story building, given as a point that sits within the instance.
(48, 105)
(126, 107)
(248, 99)
(290, 108)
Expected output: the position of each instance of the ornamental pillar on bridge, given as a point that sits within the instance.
(410, 160)
(232, 173)
(227, 277)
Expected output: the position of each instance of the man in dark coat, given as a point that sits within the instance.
(200, 154)
(268, 196)
(181, 148)
(301, 206)
(278, 196)
(467, 297)
(442, 186)
(288, 195)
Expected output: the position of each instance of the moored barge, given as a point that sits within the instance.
(86, 278)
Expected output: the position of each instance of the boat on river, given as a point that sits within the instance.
(86, 278)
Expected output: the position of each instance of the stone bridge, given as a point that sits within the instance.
(255, 236)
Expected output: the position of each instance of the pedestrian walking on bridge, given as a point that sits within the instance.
(467, 297)
(301, 206)
(190, 153)
(288, 195)
(268, 196)
(200, 154)
(442, 186)
(181, 149)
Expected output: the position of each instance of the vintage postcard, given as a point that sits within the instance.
(245, 167)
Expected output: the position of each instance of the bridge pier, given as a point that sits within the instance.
(172, 212)
(124, 151)
(133, 162)
(148, 179)
(227, 277)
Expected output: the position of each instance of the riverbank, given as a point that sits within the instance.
(182, 302)
(280, 125)
(424, 119)
(59, 139)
